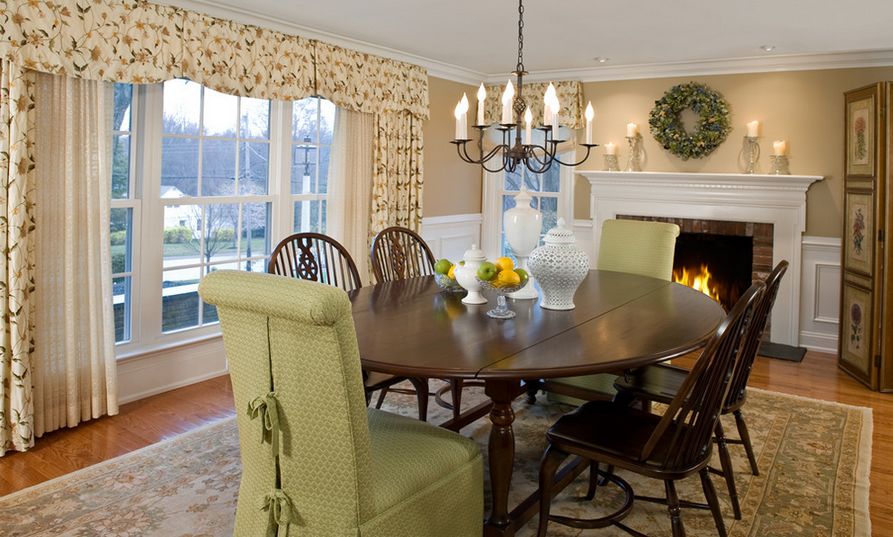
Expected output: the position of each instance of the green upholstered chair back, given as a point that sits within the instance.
(295, 338)
(637, 247)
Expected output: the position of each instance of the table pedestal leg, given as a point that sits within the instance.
(501, 449)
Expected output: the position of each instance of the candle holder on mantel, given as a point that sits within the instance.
(611, 164)
(751, 153)
(780, 165)
(633, 163)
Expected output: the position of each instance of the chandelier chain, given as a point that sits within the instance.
(520, 66)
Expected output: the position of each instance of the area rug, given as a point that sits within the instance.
(814, 459)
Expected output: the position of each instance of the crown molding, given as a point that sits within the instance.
(728, 66)
(435, 68)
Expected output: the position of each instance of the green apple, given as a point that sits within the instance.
(487, 271)
(522, 274)
(442, 266)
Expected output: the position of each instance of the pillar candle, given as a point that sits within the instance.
(482, 97)
(753, 129)
(507, 98)
(610, 148)
(780, 147)
(528, 127)
(632, 130)
(590, 114)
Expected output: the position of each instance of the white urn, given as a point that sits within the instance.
(560, 266)
(522, 225)
(466, 275)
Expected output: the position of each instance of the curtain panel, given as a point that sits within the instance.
(140, 42)
(17, 125)
(397, 182)
(570, 97)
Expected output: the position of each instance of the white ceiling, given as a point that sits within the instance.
(479, 36)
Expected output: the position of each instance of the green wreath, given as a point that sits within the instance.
(713, 120)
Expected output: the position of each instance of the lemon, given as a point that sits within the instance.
(451, 274)
(508, 278)
(505, 263)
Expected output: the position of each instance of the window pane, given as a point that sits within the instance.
(255, 120)
(180, 301)
(512, 180)
(221, 222)
(122, 105)
(532, 181)
(323, 178)
(120, 237)
(120, 166)
(122, 306)
(549, 208)
(182, 231)
(326, 121)
(303, 169)
(179, 167)
(310, 215)
(552, 179)
(220, 114)
(254, 159)
(255, 229)
(303, 119)
(209, 311)
(182, 103)
(218, 168)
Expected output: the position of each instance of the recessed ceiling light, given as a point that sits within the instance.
(601, 59)
(767, 48)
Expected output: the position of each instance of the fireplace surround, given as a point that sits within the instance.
(762, 205)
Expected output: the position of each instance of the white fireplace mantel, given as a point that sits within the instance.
(773, 199)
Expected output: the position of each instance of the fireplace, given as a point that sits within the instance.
(718, 257)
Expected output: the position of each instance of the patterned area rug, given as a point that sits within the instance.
(814, 459)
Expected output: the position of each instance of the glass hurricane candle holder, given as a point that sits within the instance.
(780, 165)
(751, 153)
(633, 163)
(611, 164)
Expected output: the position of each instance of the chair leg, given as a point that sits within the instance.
(593, 481)
(744, 435)
(674, 509)
(381, 395)
(713, 502)
(456, 395)
(533, 386)
(726, 461)
(421, 390)
(548, 466)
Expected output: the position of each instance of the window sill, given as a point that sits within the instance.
(158, 348)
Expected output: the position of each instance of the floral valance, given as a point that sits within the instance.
(140, 42)
(570, 97)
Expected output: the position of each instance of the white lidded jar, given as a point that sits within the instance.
(560, 267)
(466, 275)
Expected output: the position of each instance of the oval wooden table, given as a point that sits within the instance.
(622, 321)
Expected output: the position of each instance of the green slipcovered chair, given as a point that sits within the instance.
(635, 247)
(315, 461)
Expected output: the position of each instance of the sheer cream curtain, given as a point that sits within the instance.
(349, 206)
(74, 367)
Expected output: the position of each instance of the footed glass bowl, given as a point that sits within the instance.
(501, 311)
(447, 284)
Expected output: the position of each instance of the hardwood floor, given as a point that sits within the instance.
(153, 419)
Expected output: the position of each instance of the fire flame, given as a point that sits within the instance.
(698, 279)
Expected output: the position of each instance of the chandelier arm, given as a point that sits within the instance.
(574, 165)
(463, 153)
(547, 155)
(546, 167)
(497, 170)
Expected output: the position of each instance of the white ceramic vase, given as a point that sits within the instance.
(466, 275)
(560, 266)
(522, 225)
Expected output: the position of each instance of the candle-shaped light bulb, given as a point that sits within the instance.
(753, 129)
(547, 102)
(632, 130)
(458, 113)
(528, 127)
(464, 120)
(507, 96)
(482, 97)
(556, 108)
(590, 115)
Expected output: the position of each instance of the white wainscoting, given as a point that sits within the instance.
(583, 234)
(449, 236)
(820, 296)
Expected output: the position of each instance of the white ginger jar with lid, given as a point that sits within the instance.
(560, 267)
(466, 275)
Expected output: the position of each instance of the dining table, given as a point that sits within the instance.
(413, 328)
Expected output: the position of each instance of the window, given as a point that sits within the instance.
(552, 194)
(212, 181)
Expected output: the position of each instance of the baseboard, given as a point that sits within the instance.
(816, 341)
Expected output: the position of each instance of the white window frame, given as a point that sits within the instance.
(148, 251)
(491, 204)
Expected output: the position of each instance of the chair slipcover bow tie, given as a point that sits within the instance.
(276, 503)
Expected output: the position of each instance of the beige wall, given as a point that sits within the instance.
(451, 186)
(805, 108)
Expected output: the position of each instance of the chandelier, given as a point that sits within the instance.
(514, 151)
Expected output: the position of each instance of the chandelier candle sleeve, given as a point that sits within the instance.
(632, 130)
(528, 127)
(482, 97)
(507, 96)
(753, 129)
(556, 107)
(547, 105)
(590, 114)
